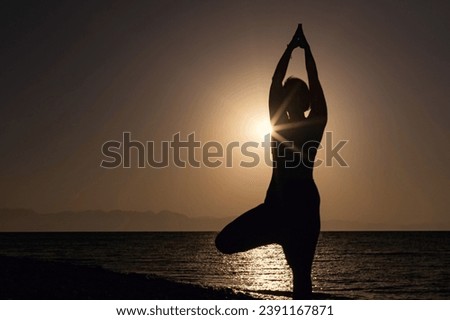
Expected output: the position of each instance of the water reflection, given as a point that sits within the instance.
(262, 270)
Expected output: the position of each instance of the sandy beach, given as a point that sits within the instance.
(26, 278)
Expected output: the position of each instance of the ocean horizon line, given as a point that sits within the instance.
(28, 220)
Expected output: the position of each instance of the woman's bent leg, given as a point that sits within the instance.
(250, 230)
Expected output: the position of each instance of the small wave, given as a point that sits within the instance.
(276, 293)
(288, 294)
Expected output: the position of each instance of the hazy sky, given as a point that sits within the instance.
(76, 74)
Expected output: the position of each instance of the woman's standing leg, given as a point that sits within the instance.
(299, 253)
(299, 244)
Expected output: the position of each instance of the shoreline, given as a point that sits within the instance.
(24, 278)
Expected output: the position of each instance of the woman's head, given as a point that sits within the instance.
(296, 97)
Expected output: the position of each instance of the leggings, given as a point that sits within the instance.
(289, 217)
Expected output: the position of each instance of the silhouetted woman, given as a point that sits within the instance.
(290, 214)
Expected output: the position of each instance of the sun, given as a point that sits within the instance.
(259, 126)
(263, 127)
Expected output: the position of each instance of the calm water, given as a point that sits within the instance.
(362, 265)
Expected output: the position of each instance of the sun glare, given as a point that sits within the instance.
(263, 127)
(259, 126)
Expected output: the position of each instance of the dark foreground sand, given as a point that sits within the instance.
(25, 278)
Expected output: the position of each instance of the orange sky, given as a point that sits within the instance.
(76, 75)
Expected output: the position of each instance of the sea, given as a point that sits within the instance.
(347, 265)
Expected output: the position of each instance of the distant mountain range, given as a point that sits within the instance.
(27, 220)
(23, 220)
